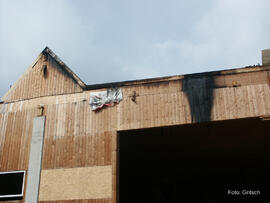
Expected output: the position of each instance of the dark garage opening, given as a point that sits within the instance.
(222, 161)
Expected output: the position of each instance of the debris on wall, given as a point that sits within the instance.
(105, 98)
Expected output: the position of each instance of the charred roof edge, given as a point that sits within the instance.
(179, 77)
(70, 73)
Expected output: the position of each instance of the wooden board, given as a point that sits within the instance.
(76, 183)
(75, 136)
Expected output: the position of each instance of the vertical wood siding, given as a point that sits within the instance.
(34, 84)
(75, 136)
(72, 140)
(15, 138)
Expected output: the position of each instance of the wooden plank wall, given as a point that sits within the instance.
(15, 139)
(75, 136)
(34, 84)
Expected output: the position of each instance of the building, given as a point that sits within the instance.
(164, 140)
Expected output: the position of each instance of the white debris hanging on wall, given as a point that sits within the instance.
(105, 98)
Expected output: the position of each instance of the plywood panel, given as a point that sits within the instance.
(79, 201)
(76, 183)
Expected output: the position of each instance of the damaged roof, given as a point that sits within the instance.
(81, 86)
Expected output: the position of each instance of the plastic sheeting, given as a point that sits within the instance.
(105, 98)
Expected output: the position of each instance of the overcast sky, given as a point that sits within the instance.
(105, 41)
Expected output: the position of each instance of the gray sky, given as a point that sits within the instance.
(105, 41)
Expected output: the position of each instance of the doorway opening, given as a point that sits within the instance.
(207, 162)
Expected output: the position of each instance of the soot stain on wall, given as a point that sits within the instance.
(199, 92)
